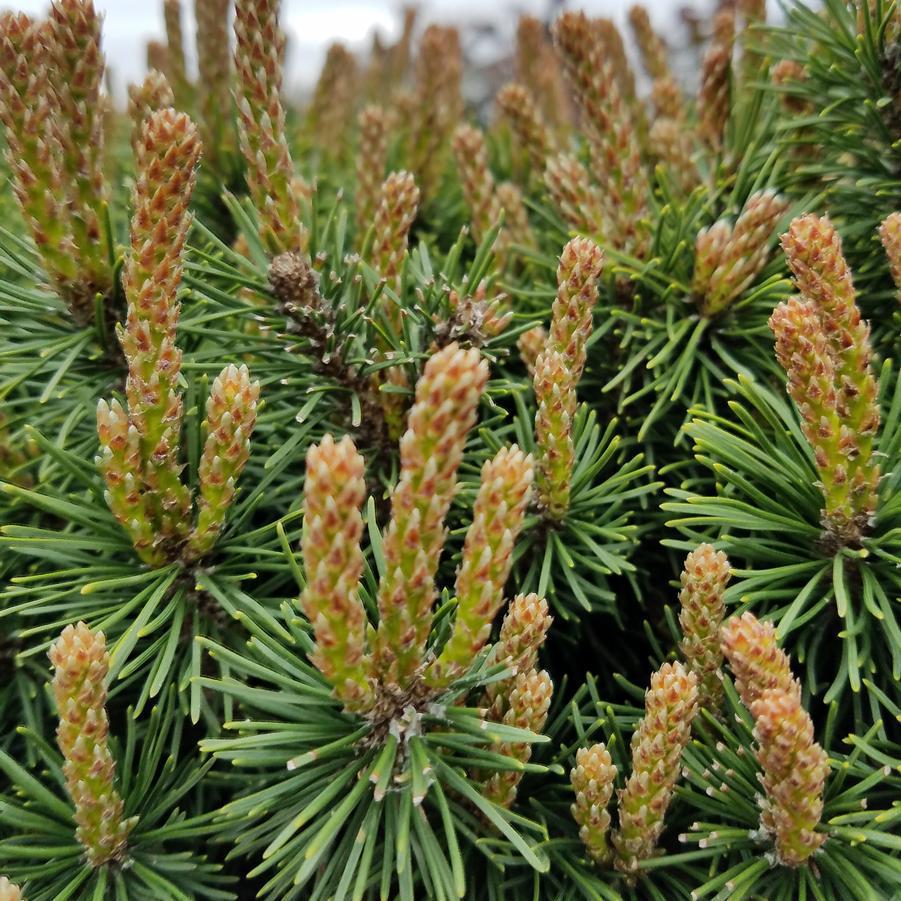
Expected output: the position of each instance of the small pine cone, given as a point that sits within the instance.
(295, 284)
(518, 106)
(445, 409)
(757, 662)
(593, 779)
(497, 519)
(372, 155)
(890, 234)
(478, 184)
(29, 112)
(555, 395)
(175, 54)
(437, 104)
(589, 51)
(9, 891)
(794, 768)
(259, 48)
(578, 271)
(716, 70)
(167, 158)
(214, 76)
(657, 746)
(530, 344)
(154, 93)
(231, 412)
(651, 45)
(121, 465)
(702, 607)
(80, 664)
(334, 494)
(475, 318)
(577, 200)
(526, 707)
(729, 259)
(331, 108)
(76, 74)
(395, 213)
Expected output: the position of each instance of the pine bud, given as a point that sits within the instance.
(445, 409)
(516, 218)
(823, 344)
(295, 284)
(757, 662)
(518, 106)
(154, 93)
(526, 707)
(657, 746)
(716, 70)
(334, 493)
(530, 345)
(498, 514)
(372, 156)
(523, 631)
(786, 75)
(478, 183)
(814, 253)
(81, 662)
(29, 111)
(334, 96)
(614, 49)
(157, 56)
(555, 395)
(653, 50)
(214, 75)
(704, 580)
(577, 200)
(890, 233)
(121, 465)
(580, 266)
(231, 411)
(586, 48)
(728, 259)
(538, 68)
(167, 157)
(794, 775)
(669, 102)
(437, 104)
(671, 143)
(475, 317)
(593, 779)
(175, 54)
(395, 213)
(259, 49)
(76, 74)
(9, 891)
(849, 489)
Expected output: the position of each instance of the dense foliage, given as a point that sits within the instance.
(415, 500)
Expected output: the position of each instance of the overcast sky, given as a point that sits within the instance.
(313, 24)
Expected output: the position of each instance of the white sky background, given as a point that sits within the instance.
(312, 24)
